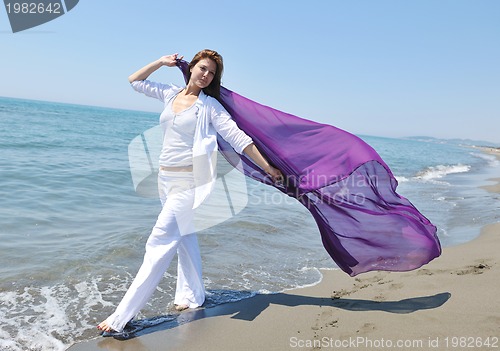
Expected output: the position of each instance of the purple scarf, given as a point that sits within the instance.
(350, 191)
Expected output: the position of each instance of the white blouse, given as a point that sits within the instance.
(178, 135)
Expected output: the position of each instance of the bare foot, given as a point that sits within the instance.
(180, 308)
(105, 327)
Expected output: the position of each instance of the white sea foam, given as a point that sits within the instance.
(432, 173)
(440, 171)
(57, 316)
(491, 159)
(442, 232)
(402, 179)
(38, 308)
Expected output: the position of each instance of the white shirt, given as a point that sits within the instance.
(178, 135)
(212, 118)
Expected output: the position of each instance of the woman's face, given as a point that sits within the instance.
(203, 72)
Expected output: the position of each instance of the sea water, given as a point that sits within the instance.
(73, 229)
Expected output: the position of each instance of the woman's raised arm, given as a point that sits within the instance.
(145, 72)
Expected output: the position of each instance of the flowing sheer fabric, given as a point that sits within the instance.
(350, 191)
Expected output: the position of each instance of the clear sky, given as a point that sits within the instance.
(391, 68)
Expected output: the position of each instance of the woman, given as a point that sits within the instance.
(190, 118)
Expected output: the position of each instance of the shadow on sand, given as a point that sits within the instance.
(249, 309)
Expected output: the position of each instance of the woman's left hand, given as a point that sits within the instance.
(275, 174)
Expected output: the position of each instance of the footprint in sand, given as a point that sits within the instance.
(396, 286)
(366, 328)
(479, 268)
(379, 298)
(424, 271)
(337, 294)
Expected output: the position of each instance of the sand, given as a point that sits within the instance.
(452, 303)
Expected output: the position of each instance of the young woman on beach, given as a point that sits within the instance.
(191, 118)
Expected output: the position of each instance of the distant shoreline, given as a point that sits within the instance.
(157, 112)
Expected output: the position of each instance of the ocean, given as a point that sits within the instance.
(73, 228)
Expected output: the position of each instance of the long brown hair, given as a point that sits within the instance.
(213, 89)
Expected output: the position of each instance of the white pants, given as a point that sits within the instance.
(173, 232)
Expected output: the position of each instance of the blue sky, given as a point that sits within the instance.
(386, 68)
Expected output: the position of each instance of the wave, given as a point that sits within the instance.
(491, 159)
(439, 171)
(402, 179)
(52, 318)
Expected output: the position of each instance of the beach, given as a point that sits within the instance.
(450, 303)
(82, 227)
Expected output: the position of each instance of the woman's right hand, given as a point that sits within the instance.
(170, 60)
(145, 72)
